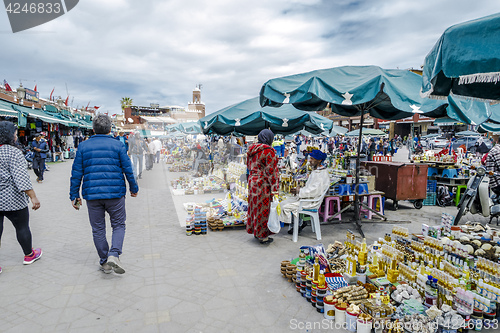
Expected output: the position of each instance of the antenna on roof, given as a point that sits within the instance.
(199, 86)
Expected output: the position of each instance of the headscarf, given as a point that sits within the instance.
(266, 137)
(318, 155)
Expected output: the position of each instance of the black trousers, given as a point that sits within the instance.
(39, 167)
(20, 219)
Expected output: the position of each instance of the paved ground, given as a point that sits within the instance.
(222, 282)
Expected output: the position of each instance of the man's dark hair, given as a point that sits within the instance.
(7, 131)
(101, 124)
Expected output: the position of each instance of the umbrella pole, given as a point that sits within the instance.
(357, 219)
(211, 154)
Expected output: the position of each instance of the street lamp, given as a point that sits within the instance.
(21, 93)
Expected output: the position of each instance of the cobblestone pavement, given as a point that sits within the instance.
(222, 282)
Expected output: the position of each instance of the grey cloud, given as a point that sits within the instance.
(157, 51)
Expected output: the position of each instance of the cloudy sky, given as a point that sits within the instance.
(157, 51)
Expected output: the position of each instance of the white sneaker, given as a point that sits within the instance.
(106, 268)
(115, 263)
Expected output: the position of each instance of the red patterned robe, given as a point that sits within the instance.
(263, 179)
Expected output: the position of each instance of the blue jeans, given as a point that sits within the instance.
(39, 167)
(117, 215)
(137, 164)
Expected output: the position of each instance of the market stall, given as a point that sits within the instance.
(445, 279)
(353, 91)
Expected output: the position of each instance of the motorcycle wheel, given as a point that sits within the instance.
(461, 211)
(418, 203)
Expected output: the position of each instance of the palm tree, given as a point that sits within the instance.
(126, 102)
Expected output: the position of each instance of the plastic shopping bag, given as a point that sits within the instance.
(273, 224)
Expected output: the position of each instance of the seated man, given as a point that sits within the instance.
(57, 151)
(316, 185)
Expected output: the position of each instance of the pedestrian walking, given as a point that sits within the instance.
(40, 148)
(150, 153)
(102, 162)
(158, 147)
(123, 139)
(15, 188)
(372, 149)
(263, 180)
(137, 148)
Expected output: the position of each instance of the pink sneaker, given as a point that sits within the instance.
(34, 256)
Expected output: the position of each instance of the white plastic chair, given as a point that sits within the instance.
(313, 213)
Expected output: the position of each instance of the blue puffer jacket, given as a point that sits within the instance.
(43, 146)
(102, 162)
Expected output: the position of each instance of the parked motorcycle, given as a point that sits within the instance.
(477, 199)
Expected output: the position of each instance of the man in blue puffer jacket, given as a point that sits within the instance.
(102, 162)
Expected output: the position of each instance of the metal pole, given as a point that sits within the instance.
(357, 219)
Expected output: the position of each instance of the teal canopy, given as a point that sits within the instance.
(474, 112)
(191, 128)
(366, 131)
(467, 133)
(465, 61)
(351, 90)
(336, 130)
(173, 128)
(489, 127)
(249, 118)
(471, 111)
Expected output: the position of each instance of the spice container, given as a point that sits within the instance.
(314, 289)
(340, 314)
(189, 230)
(320, 295)
(329, 307)
(308, 288)
(364, 324)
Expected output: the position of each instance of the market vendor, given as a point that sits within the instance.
(316, 185)
(200, 158)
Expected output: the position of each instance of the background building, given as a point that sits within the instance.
(139, 115)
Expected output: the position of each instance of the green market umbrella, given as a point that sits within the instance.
(249, 118)
(489, 127)
(471, 111)
(336, 130)
(475, 112)
(467, 133)
(327, 134)
(366, 131)
(354, 91)
(192, 127)
(465, 61)
(173, 128)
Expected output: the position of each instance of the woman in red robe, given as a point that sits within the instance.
(263, 181)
